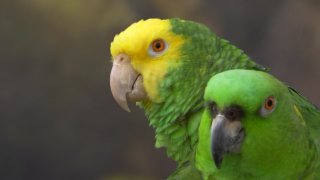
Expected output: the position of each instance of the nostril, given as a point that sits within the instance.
(233, 113)
(122, 58)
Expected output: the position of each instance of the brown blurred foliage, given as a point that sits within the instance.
(58, 119)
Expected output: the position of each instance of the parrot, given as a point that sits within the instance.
(256, 127)
(163, 66)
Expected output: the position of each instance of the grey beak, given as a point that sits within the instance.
(226, 137)
(217, 139)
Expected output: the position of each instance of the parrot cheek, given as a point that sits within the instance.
(126, 83)
(235, 136)
(226, 137)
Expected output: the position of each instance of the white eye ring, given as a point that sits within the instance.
(157, 47)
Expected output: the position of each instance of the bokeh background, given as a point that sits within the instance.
(58, 119)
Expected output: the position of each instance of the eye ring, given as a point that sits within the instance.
(157, 47)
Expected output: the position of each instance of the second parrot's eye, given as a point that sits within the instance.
(157, 47)
(269, 103)
(268, 106)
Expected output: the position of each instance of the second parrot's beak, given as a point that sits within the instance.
(126, 83)
(226, 137)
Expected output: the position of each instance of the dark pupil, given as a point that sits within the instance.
(158, 45)
(269, 103)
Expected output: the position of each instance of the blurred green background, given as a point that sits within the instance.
(58, 119)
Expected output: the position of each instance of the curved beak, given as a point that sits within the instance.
(226, 137)
(126, 83)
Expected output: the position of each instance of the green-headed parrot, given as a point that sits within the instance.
(256, 127)
(164, 66)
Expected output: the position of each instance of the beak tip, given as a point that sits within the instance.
(126, 108)
(123, 103)
(218, 161)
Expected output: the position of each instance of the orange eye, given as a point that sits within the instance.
(158, 45)
(269, 103)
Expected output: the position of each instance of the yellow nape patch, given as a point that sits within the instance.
(135, 42)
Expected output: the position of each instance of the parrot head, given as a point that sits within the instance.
(250, 123)
(141, 56)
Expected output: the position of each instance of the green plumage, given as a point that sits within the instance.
(281, 141)
(176, 120)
